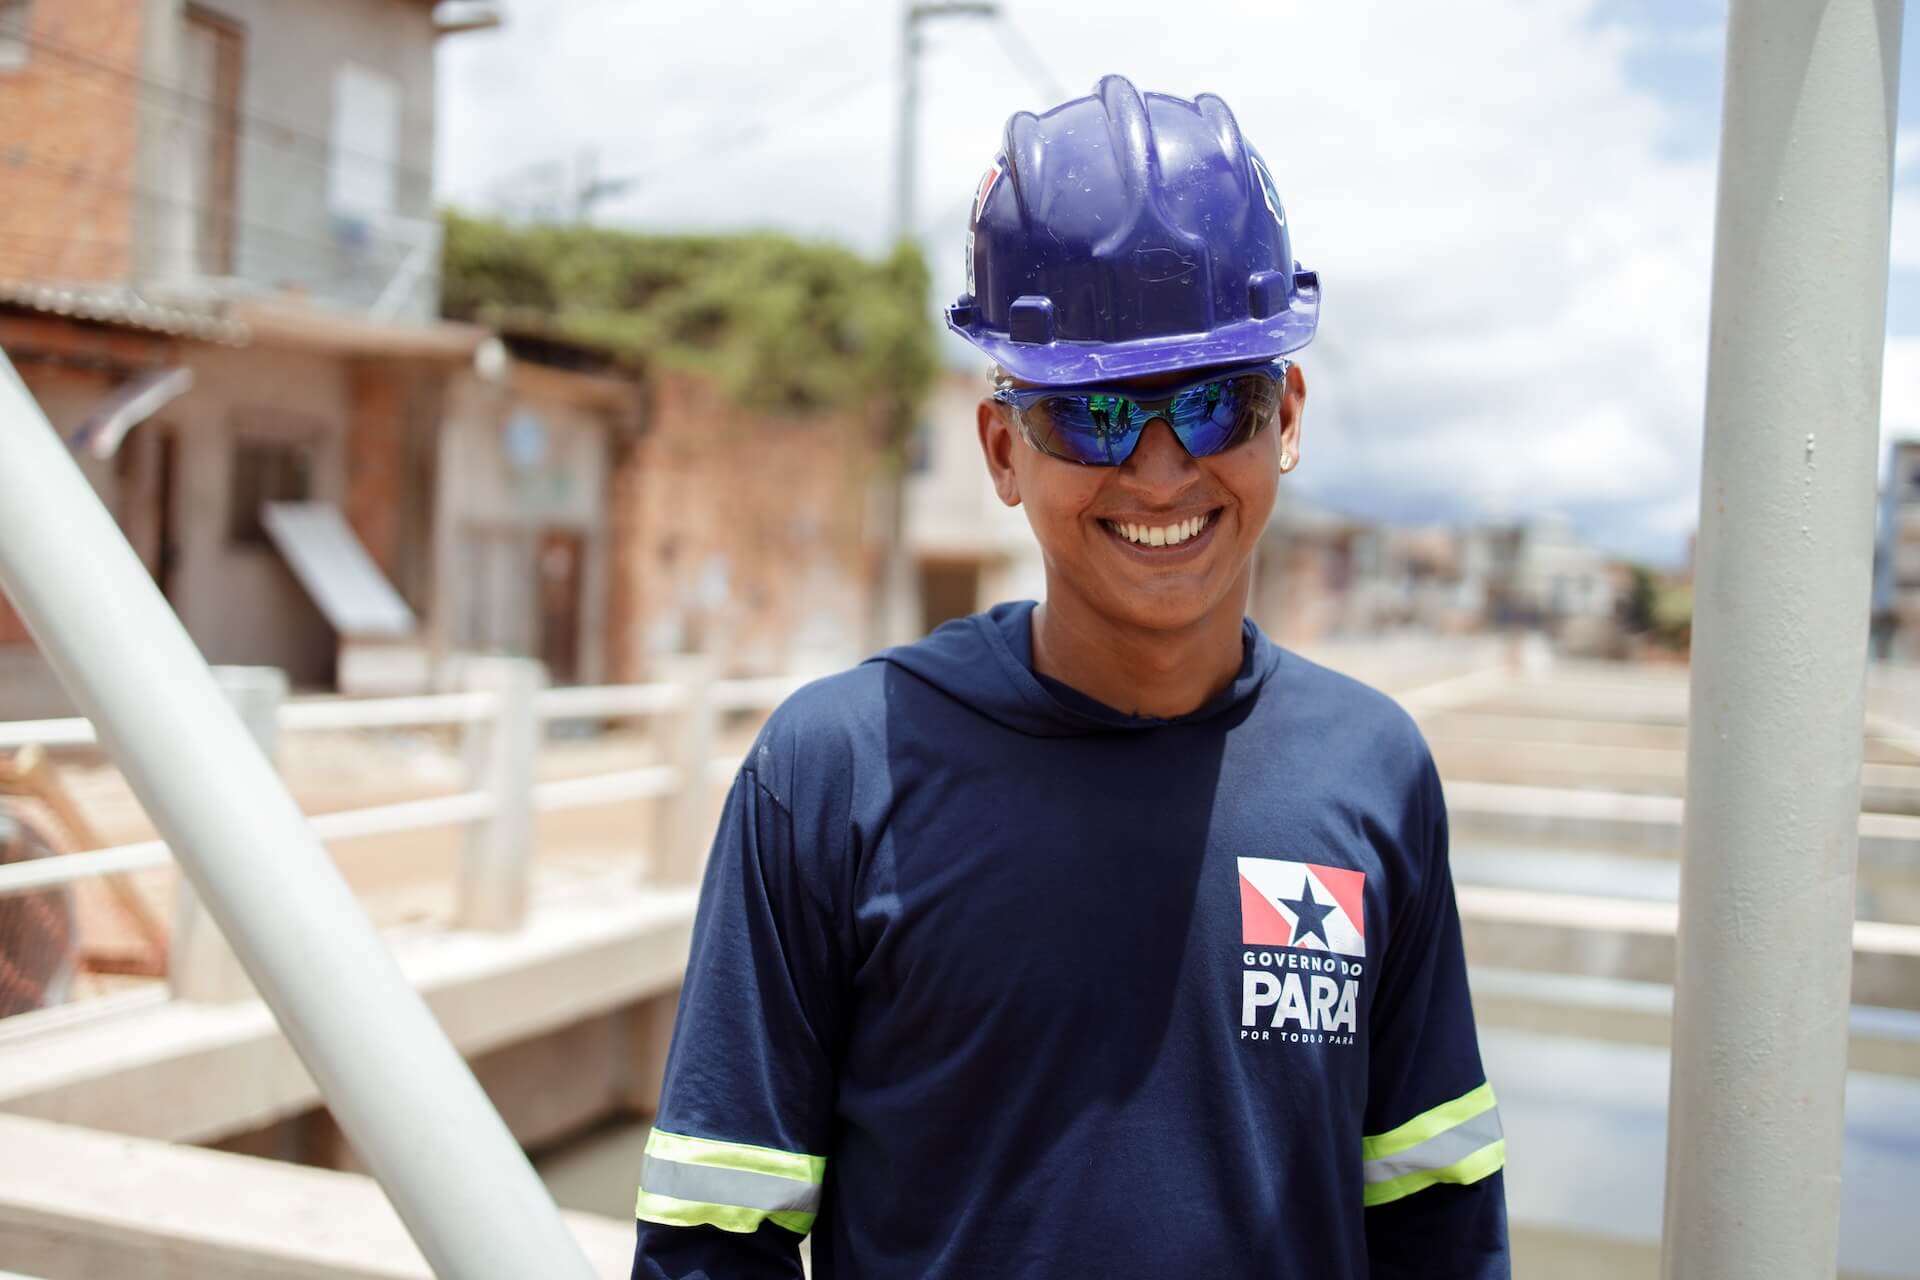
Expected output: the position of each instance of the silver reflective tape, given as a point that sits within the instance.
(704, 1184)
(1447, 1147)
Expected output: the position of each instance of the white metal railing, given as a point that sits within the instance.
(501, 786)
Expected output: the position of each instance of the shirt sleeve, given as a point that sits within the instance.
(1433, 1153)
(733, 1172)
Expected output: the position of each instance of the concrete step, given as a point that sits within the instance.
(1885, 787)
(1492, 814)
(589, 965)
(1880, 894)
(77, 1204)
(1633, 939)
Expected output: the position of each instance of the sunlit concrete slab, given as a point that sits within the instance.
(1582, 1006)
(1633, 939)
(77, 1204)
(1880, 893)
(196, 1073)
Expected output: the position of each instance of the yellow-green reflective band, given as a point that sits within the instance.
(687, 1181)
(682, 1149)
(1475, 1167)
(1428, 1124)
(684, 1213)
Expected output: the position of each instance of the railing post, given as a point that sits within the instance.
(200, 965)
(496, 861)
(683, 820)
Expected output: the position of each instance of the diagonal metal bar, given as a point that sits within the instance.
(402, 1093)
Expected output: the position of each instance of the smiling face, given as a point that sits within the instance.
(1163, 542)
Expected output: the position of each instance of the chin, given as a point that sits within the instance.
(1173, 612)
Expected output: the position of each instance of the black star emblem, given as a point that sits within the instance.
(1308, 915)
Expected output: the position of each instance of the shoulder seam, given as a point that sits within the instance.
(747, 771)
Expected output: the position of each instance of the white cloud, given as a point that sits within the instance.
(1905, 247)
(1516, 263)
(1900, 388)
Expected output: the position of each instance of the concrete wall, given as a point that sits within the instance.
(67, 143)
(518, 462)
(295, 233)
(241, 603)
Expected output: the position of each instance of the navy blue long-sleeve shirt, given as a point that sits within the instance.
(990, 980)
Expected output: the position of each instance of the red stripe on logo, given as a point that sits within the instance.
(1349, 889)
(1260, 920)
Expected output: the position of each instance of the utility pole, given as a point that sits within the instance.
(893, 618)
(589, 188)
(907, 168)
(1796, 341)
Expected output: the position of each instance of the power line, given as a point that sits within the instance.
(1027, 61)
(148, 195)
(273, 132)
(729, 145)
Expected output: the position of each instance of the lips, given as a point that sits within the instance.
(1161, 537)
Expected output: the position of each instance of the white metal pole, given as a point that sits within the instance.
(201, 965)
(1785, 557)
(406, 1100)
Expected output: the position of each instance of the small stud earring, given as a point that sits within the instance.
(1286, 460)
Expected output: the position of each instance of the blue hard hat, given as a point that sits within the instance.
(1120, 235)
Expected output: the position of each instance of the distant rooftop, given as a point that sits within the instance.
(125, 307)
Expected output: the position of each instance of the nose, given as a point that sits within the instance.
(1160, 465)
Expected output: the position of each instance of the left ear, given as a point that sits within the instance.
(1293, 410)
(997, 444)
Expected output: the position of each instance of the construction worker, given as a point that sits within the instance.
(1100, 937)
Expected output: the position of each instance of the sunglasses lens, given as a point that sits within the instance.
(1219, 415)
(1098, 429)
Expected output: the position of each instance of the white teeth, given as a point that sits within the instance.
(1166, 535)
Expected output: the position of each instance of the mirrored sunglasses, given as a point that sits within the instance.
(1099, 426)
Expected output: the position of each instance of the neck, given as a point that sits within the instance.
(1138, 670)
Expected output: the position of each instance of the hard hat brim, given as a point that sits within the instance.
(1071, 364)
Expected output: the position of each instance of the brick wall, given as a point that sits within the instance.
(736, 533)
(376, 460)
(67, 143)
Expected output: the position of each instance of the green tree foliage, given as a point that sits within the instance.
(1658, 609)
(778, 323)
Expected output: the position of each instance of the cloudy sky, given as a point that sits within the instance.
(1510, 204)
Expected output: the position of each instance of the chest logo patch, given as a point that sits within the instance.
(1308, 922)
(1303, 904)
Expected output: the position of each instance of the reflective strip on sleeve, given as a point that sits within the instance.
(687, 1182)
(1458, 1141)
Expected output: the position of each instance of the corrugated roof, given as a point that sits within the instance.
(118, 305)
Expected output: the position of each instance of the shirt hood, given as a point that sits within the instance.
(985, 661)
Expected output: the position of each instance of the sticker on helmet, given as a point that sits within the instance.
(1268, 191)
(987, 181)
